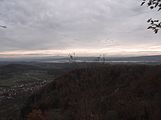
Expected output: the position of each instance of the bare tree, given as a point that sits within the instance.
(154, 24)
(71, 58)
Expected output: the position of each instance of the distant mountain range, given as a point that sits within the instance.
(57, 59)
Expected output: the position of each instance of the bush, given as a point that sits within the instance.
(36, 115)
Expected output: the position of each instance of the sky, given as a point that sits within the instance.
(86, 27)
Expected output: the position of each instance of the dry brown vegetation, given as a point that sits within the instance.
(104, 92)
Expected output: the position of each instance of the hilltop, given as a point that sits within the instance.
(99, 92)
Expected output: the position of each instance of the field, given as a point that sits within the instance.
(19, 80)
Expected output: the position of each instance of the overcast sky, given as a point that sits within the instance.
(112, 27)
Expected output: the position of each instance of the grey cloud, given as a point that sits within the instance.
(62, 24)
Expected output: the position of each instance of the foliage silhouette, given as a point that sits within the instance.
(155, 24)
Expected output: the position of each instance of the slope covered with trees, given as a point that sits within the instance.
(103, 92)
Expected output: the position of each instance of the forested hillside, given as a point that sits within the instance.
(101, 92)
